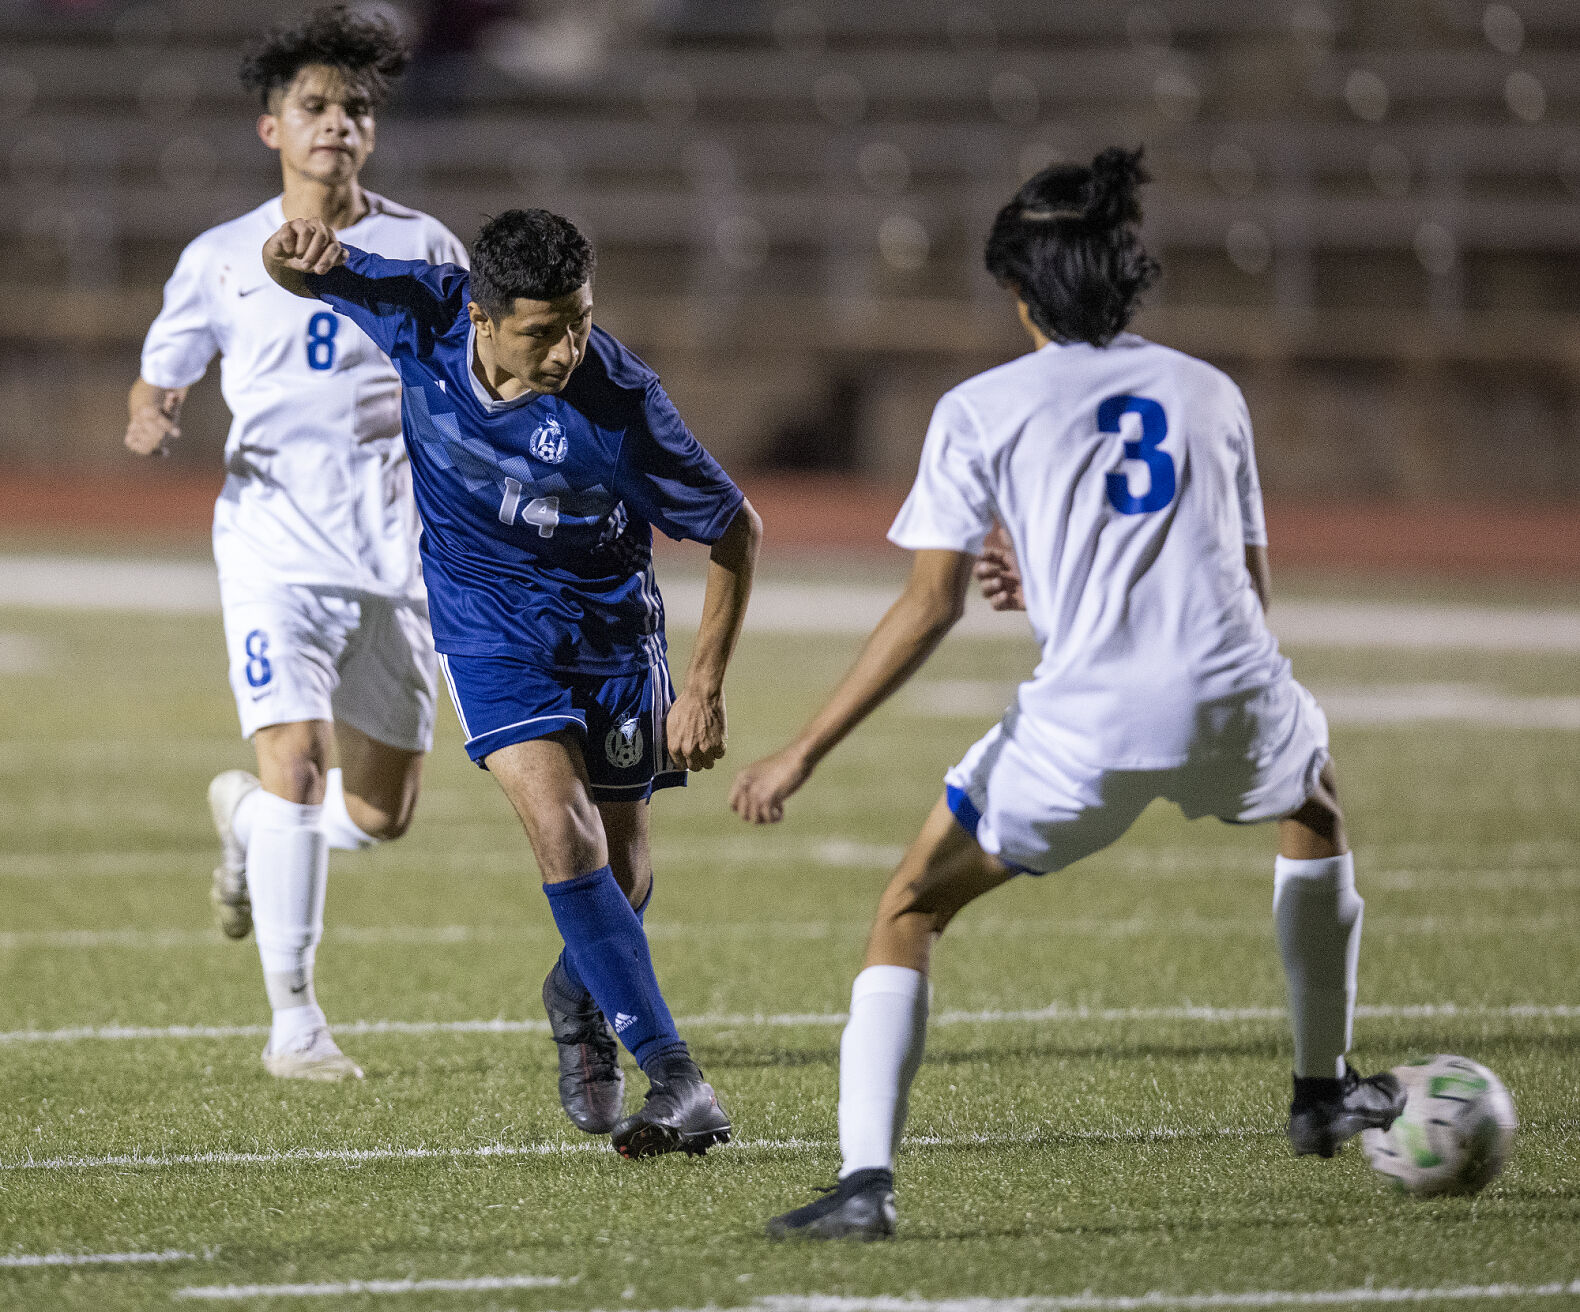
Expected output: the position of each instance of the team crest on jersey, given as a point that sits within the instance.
(548, 442)
(623, 746)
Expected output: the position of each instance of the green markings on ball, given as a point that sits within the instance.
(1457, 1086)
(1412, 1138)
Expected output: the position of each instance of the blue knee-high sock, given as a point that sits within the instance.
(568, 975)
(604, 939)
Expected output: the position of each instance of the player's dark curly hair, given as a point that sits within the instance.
(365, 49)
(531, 254)
(1067, 244)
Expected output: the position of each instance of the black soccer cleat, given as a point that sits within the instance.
(861, 1206)
(592, 1085)
(681, 1113)
(1326, 1114)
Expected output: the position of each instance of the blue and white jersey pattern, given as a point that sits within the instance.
(537, 511)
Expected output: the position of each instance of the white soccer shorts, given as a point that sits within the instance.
(1036, 808)
(304, 653)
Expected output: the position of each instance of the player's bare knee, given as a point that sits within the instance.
(1316, 829)
(568, 841)
(384, 825)
(913, 904)
(297, 774)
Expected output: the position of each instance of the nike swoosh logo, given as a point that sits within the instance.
(259, 696)
(248, 291)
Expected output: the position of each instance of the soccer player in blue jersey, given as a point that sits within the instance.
(543, 453)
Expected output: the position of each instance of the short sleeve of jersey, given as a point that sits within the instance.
(670, 480)
(181, 341)
(444, 247)
(401, 304)
(951, 505)
(1248, 486)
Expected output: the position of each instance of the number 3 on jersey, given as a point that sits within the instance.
(1160, 465)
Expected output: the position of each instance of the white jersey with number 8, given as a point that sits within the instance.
(1126, 479)
(317, 487)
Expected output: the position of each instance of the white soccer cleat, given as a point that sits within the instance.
(232, 905)
(316, 1056)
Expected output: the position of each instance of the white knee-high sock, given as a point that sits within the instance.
(287, 870)
(241, 819)
(344, 834)
(1317, 914)
(878, 1058)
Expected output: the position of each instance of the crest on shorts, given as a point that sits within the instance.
(623, 746)
(548, 442)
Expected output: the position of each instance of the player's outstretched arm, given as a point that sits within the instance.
(933, 601)
(696, 727)
(300, 247)
(154, 417)
(997, 574)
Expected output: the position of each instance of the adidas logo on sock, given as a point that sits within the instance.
(622, 1022)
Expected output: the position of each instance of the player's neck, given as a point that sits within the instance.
(500, 385)
(337, 204)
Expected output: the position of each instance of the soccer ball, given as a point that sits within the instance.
(1454, 1134)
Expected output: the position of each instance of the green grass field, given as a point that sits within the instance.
(1120, 1145)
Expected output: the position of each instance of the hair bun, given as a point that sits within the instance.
(1112, 196)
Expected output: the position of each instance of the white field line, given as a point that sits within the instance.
(558, 1148)
(1364, 704)
(1153, 1301)
(1186, 926)
(346, 1288)
(1462, 703)
(189, 587)
(1056, 1013)
(836, 853)
(1157, 1300)
(93, 1259)
(1449, 859)
(1441, 882)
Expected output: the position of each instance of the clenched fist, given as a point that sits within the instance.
(301, 246)
(695, 729)
(761, 789)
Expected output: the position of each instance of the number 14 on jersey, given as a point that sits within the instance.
(542, 511)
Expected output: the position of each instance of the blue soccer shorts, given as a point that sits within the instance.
(618, 717)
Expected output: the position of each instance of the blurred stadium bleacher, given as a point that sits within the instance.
(1368, 210)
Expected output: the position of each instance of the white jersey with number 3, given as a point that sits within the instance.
(317, 487)
(1126, 479)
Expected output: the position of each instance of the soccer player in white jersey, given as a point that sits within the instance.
(1123, 475)
(315, 533)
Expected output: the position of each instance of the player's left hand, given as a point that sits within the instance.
(695, 729)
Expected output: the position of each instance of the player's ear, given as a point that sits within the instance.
(269, 130)
(479, 318)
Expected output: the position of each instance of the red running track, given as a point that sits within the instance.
(838, 515)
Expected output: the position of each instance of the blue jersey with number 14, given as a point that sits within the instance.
(538, 511)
